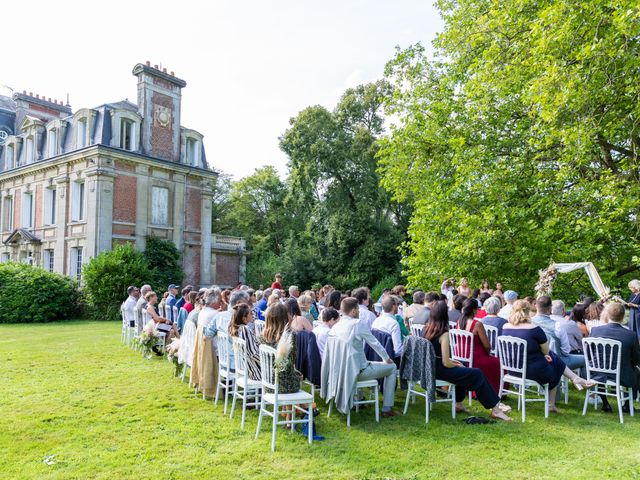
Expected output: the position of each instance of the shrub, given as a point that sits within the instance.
(31, 294)
(107, 276)
(163, 260)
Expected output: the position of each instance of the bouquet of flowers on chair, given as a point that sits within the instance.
(172, 356)
(147, 340)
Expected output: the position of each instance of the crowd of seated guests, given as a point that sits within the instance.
(553, 336)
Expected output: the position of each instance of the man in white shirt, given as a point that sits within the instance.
(387, 323)
(355, 332)
(328, 317)
(362, 295)
(510, 297)
(130, 306)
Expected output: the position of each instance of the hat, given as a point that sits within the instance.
(173, 285)
(510, 296)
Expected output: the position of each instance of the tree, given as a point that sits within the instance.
(220, 222)
(518, 143)
(163, 263)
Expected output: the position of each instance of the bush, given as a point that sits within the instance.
(31, 294)
(163, 260)
(107, 276)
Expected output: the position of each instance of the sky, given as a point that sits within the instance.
(249, 65)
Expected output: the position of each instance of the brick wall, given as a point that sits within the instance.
(191, 265)
(193, 209)
(227, 269)
(124, 198)
(162, 136)
(17, 200)
(38, 220)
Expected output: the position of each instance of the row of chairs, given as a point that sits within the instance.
(602, 358)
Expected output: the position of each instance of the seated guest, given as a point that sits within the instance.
(509, 297)
(353, 331)
(315, 313)
(305, 303)
(184, 298)
(239, 327)
(464, 378)
(567, 328)
(482, 359)
(262, 302)
(333, 300)
(629, 354)
(543, 320)
(404, 329)
(481, 313)
(220, 322)
(189, 304)
(563, 347)
(577, 316)
(416, 306)
(593, 311)
(212, 305)
(328, 319)
(543, 365)
(130, 306)
(387, 322)
(296, 321)
(475, 294)
(161, 324)
(422, 317)
(364, 299)
(492, 307)
(277, 334)
(456, 311)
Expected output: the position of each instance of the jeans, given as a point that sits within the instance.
(387, 371)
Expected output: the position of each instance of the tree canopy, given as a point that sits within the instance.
(518, 141)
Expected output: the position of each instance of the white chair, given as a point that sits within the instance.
(452, 325)
(187, 342)
(440, 387)
(258, 326)
(602, 358)
(461, 348)
(243, 388)
(417, 329)
(270, 396)
(512, 352)
(373, 384)
(225, 375)
(492, 335)
(159, 335)
(128, 331)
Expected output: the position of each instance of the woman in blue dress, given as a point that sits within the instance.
(543, 366)
(634, 306)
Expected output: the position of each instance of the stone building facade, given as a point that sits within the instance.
(73, 184)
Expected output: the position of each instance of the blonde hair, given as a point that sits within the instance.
(273, 298)
(613, 312)
(520, 313)
(304, 302)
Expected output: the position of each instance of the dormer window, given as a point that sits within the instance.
(127, 134)
(9, 155)
(28, 151)
(81, 133)
(192, 151)
(52, 142)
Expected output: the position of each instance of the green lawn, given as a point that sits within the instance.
(73, 391)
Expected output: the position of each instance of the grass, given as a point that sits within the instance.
(73, 391)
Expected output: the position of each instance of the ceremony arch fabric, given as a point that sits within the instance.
(594, 276)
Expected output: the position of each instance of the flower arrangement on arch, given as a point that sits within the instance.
(545, 281)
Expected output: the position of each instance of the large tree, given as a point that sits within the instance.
(519, 140)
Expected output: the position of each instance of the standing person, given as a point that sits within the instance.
(130, 305)
(634, 307)
(464, 378)
(464, 287)
(355, 332)
(485, 288)
(277, 283)
(141, 304)
(497, 292)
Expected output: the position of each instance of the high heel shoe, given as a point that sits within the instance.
(580, 383)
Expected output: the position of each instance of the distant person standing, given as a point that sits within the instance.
(634, 306)
(277, 283)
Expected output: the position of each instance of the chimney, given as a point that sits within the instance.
(159, 102)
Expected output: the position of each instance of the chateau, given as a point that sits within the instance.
(73, 184)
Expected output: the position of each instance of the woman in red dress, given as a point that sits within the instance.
(488, 364)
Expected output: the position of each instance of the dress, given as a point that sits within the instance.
(488, 364)
(288, 378)
(253, 351)
(538, 369)
(465, 379)
(634, 314)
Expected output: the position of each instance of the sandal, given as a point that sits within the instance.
(580, 383)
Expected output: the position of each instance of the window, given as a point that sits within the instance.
(76, 262)
(7, 214)
(192, 152)
(5, 257)
(48, 260)
(8, 157)
(77, 199)
(53, 142)
(27, 210)
(159, 206)
(127, 131)
(50, 206)
(81, 134)
(28, 151)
